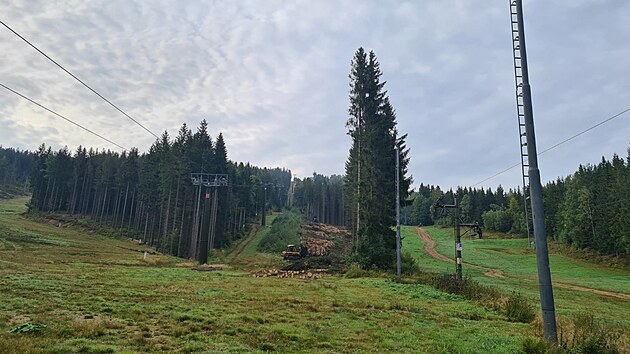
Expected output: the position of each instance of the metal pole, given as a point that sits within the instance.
(542, 253)
(458, 244)
(213, 220)
(398, 271)
(263, 222)
(195, 230)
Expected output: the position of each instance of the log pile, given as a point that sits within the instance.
(318, 246)
(298, 274)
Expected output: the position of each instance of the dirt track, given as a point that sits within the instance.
(429, 248)
(245, 242)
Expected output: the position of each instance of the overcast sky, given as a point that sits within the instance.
(273, 77)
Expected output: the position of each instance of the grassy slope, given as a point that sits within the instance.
(519, 265)
(96, 295)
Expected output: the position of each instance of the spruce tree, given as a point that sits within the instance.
(370, 169)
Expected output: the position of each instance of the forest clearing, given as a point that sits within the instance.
(204, 177)
(95, 294)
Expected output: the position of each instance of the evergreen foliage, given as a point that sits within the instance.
(150, 196)
(15, 169)
(370, 169)
(320, 198)
(589, 209)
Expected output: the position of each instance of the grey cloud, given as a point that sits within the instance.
(272, 76)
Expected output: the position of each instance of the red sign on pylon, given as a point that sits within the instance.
(207, 195)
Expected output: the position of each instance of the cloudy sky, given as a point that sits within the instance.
(273, 77)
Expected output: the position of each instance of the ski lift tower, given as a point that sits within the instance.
(529, 164)
(206, 180)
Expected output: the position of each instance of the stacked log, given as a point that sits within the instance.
(318, 247)
(298, 274)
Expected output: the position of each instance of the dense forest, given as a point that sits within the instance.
(15, 170)
(320, 198)
(586, 210)
(151, 197)
(589, 209)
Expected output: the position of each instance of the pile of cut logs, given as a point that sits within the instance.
(299, 274)
(318, 247)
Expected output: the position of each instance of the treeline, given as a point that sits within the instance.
(496, 210)
(150, 196)
(589, 209)
(320, 198)
(15, 169)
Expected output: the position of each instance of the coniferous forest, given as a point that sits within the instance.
(588, 209)
(15, 169)
(150, 196)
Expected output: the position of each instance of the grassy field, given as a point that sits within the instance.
(97, 295)
(518, 265)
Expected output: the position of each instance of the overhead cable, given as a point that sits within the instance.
(61, 116)
(79, 80)
(556, 145)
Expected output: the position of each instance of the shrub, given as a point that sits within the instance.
(538, 346)
(354, 271)
(408, 265)
(518, 309)
(577, 334)
(468, 288)
(583, 333)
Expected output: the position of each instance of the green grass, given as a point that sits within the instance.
(94, 295)
(518, 263)
(285, 229)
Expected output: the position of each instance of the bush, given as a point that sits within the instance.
(354, 271)
(580, 334)
(539, 346)
(408, 265)
(518, 309)
(583, 333)
(468, 288)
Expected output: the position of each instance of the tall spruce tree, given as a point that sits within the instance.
(370, 169)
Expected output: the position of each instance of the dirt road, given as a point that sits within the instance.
(429, 248)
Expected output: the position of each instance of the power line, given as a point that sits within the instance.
(79, 80)
(585, 131)
(558, 144)
(60, 116)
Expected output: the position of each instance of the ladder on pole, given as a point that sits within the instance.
(520, 112)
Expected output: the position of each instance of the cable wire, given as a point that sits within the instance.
(79, 80)
(60, 116)
(558, 144)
